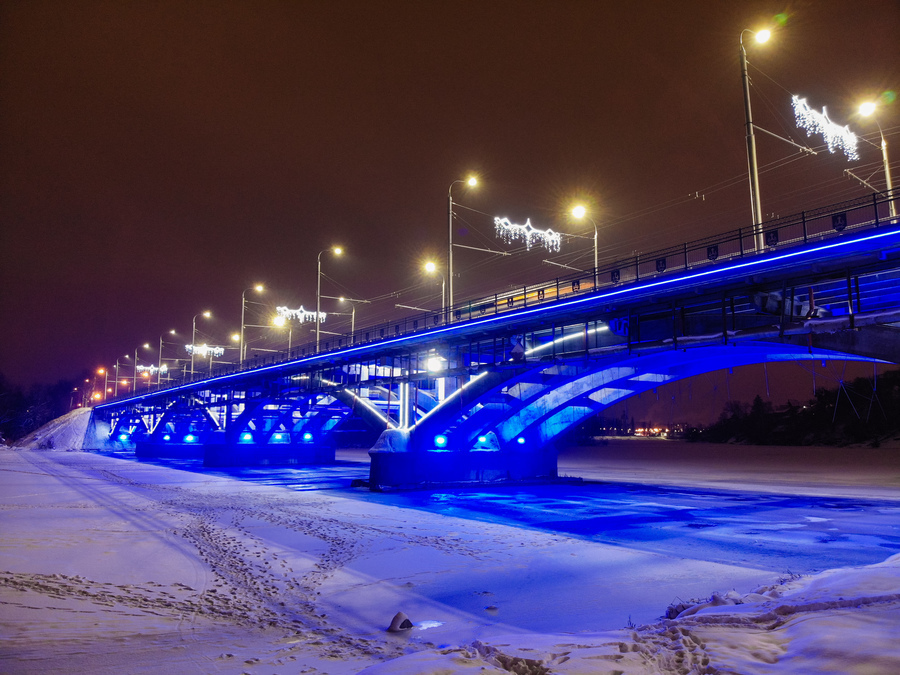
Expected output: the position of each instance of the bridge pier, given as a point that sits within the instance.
(219, 451)
(395, 465)
(407, 470)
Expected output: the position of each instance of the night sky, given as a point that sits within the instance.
(160, 158)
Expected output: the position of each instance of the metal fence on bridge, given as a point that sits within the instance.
(789, 232)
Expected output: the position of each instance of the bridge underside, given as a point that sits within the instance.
(503, 422)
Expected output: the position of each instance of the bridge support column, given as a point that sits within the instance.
(394, 465)
(219, 451)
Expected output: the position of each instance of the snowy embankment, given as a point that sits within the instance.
(839, 621)
(68, 432)
(113, 566)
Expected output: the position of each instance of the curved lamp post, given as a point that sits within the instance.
(207, 315)
(471, 181)
(580, 212)
(337, 250)
(431, 268)
(159, 365)
(146, 345)
(755, 203)
(259, 289)
(867, 109)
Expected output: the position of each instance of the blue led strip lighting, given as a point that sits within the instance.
(446, 330)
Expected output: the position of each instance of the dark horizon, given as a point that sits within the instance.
(161, 159)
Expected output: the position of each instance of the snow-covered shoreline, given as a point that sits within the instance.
(115, 566)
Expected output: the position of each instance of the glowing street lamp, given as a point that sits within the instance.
(755, 203)
(259, 289)
(471, 181)
(352, 302)
(867, 109)
(116, 392)
(159, 364)
(431, 268)
(580, 212)
(207, 315)
(337, 250)
(134, 374)
(281, 321)
(105, 373)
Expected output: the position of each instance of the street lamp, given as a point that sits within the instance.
(134, 374)
(352, 302)
(280, 322)
(471, 181)
(159, 365)
(755, 204)
(105, 373)
(431, 268)
(208, 315)
(337, 250)
(867, 109)
(259, 289)
(116, 392)
(580, 212)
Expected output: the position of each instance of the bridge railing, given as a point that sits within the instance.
(798, 229)
(778, 234)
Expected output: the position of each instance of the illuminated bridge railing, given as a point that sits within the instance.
(808, 226)
(791, 231)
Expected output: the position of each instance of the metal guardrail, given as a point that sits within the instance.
(816, 225)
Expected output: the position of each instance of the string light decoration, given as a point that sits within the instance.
(815, 122)
(508, 232)
(204, 350)
(153, 369)
(301, 315)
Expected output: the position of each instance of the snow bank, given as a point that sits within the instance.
(64, 433)
(838, 621)
(113, 566)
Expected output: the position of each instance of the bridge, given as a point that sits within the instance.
(479, 391)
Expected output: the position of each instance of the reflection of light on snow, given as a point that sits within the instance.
(652, 377)
(425, 625)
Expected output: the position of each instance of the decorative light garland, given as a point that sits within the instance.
(302, 315)
(509, 231)
(815, 122)
(204, 350)
(153, 369)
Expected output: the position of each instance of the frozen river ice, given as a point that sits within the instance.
(789, 533)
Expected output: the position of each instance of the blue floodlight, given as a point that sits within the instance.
(520, 440)
(247, 437)
(167, 437)
(482, 439)
(277, 437)
(190, 438)
(124, 437)
(307, 437)
(440, 441)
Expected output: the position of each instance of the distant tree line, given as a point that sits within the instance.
(21, 412)
(864, 410)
